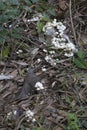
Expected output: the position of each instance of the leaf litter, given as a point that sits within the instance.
(21, 104)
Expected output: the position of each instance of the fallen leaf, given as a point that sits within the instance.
(20, 63)
(14, 73)
(62, 5)
(6, 77)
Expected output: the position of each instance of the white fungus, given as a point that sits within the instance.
(38, 60)
(59, 39)
(29, 115)
(44, 50)
(50, 60)
(11, 114)
(19, 51)
(44, 69)
(39, 86)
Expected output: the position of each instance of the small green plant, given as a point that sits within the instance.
(21, 72)
(79, 60)
(39, 26)
(5, 53)
(72, 122)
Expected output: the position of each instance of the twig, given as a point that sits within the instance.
(71, 19)
(18, 19)
(19, 122)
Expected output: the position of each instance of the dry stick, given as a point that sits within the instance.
(71, 19)
(19, 123)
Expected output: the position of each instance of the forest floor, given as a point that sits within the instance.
(59, 100)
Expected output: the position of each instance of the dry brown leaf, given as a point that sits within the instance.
(83, 38)
(63, 113)
(62, 5)
(14, 73)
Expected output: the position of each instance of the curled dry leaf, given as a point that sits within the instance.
(62, 5)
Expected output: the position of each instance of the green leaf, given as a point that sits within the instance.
(21, 72)
(51, 12)
(4, 19)
(16, 36)
(72, 122)
(16, 33)
(1, 40)
(2, 6)
(80, 63)
(39, 26)
(81, 54)
(5, 52)
(1, 28)
(3, 35)
(46, 18)
(12, 2)
(3, 32)
(12, 13)
(84, 123)
(25, 46)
